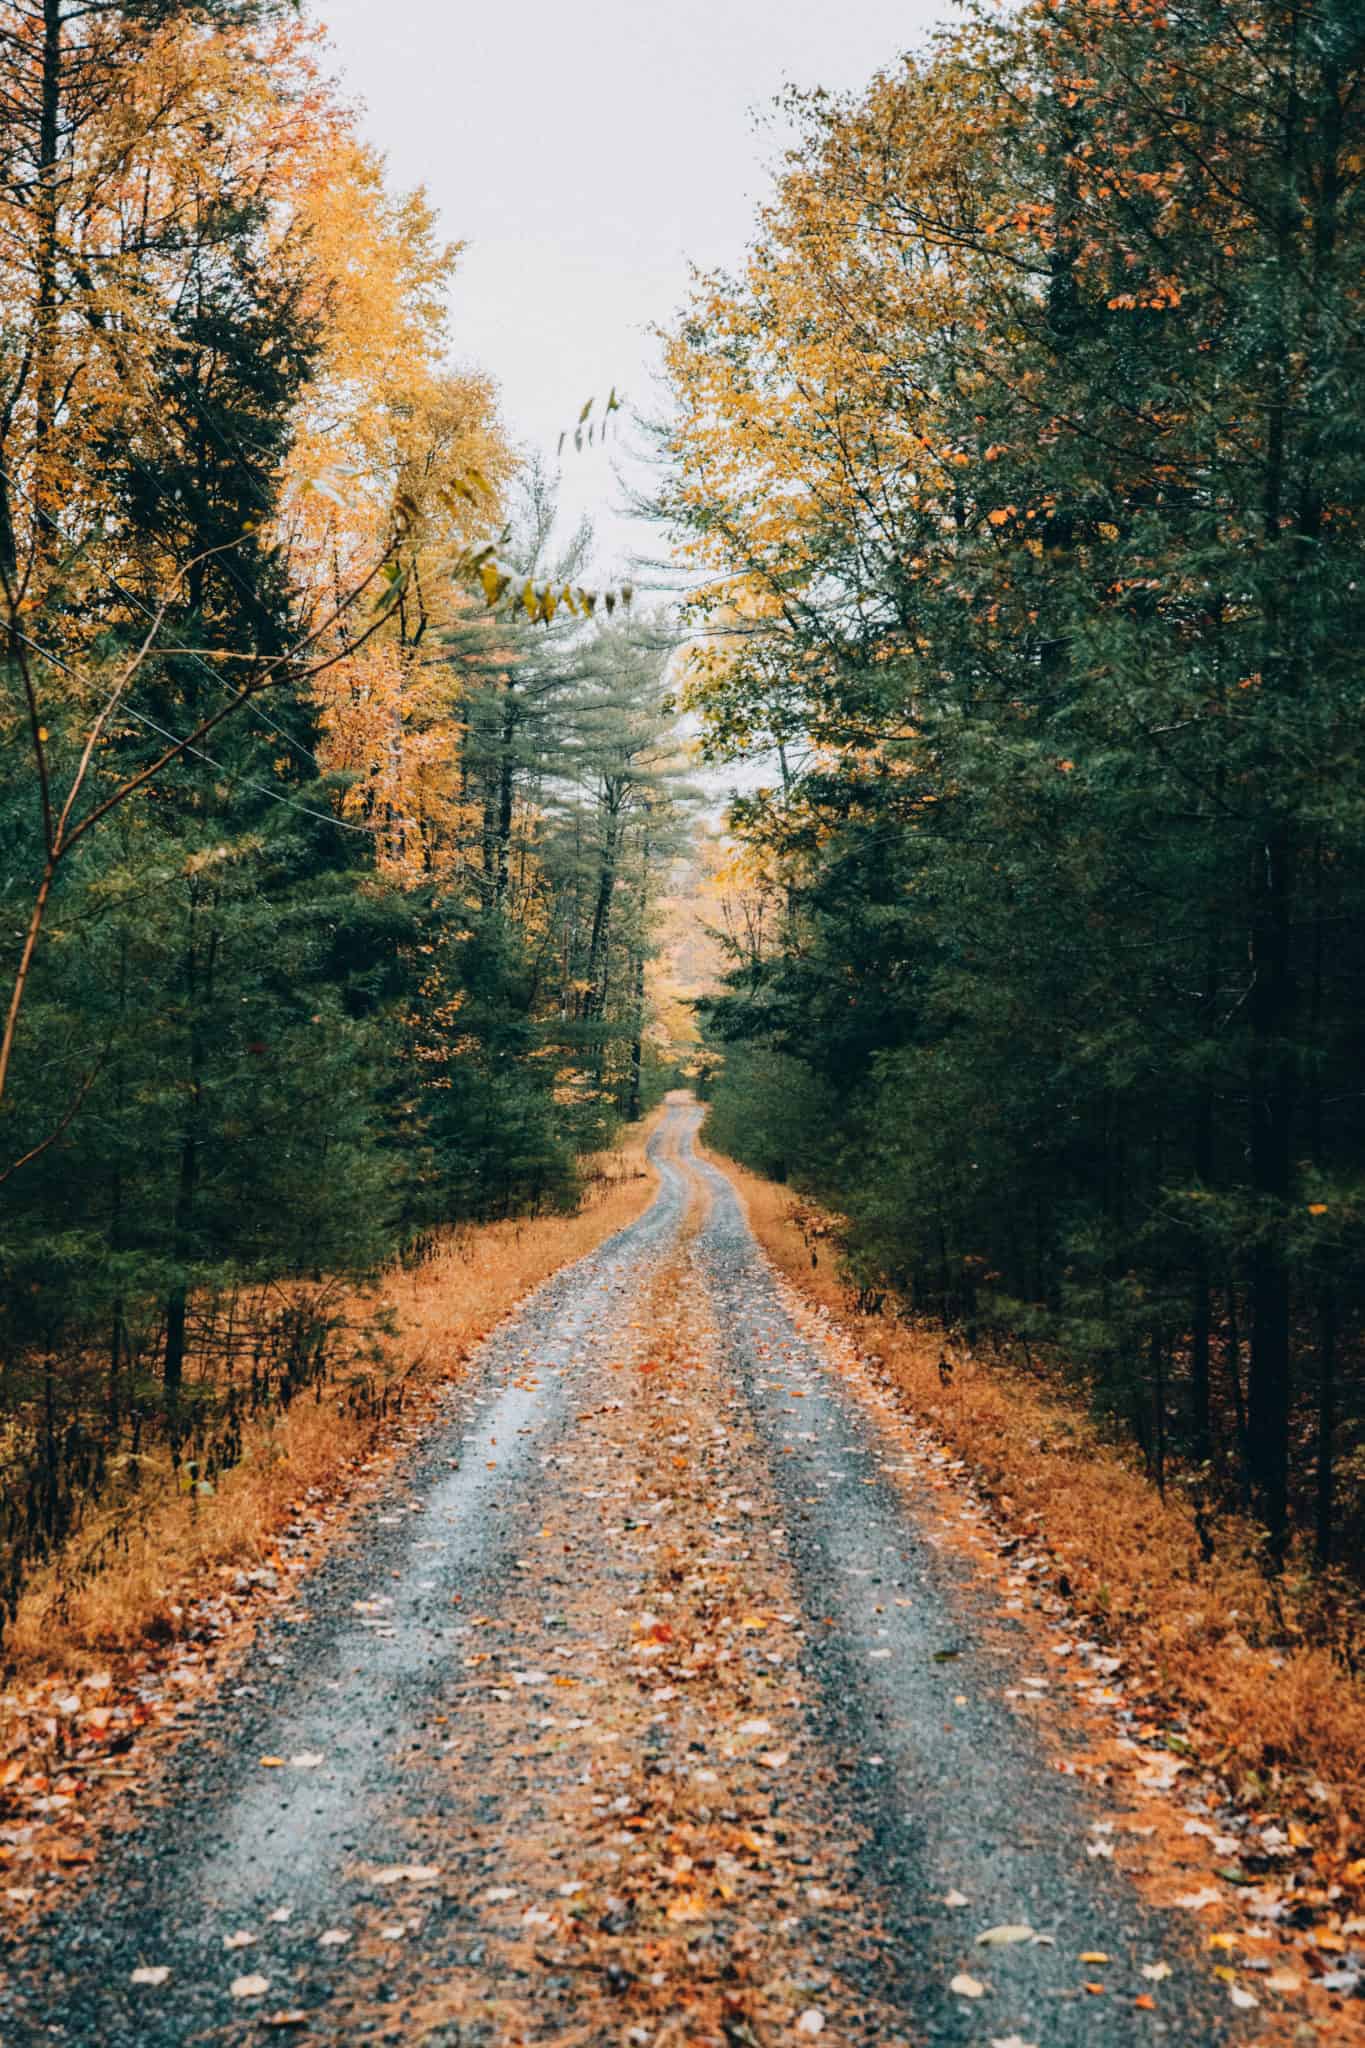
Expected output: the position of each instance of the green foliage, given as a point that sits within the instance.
(271, 1037)
(1072, 875)
(768, 1111)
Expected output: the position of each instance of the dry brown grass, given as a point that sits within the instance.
(77, 1613)
(1216, 1640)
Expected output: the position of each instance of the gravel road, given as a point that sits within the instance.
(641, 1708)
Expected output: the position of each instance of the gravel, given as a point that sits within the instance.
(942, 1787)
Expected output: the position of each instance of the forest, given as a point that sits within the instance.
(336, 809)
(1016, 480)
(682, 1088)
(1020, 468)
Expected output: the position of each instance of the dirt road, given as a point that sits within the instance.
(641, 1710)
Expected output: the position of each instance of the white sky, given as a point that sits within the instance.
(587, 154)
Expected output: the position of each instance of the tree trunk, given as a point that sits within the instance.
(187, 1182)
(47, 322)
(507, 789)
(1158, 1356)
(1201, 1316)
(1270, 1148)
(1238, 1402)
(637, 1044)
(1327, 1419)
(600, 942)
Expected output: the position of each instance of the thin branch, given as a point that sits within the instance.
(36, 1151)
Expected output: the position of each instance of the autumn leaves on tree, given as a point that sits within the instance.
(1021, 467)
(1027, 450)
(332, 869)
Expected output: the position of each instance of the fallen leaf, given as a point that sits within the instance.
(1156, 1973)
(812, 2021)
(249, 1987)
(1003, 1937)
(333, 1938)
(239, 1940)
(306, 1760)
(956, 1898)
(1145, 2002)
(150, 1973)
(1245, 2001)
(688, 1906)
(967, 1987)
(1092, 1955)
(291, 2016)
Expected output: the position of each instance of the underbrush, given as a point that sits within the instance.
(125, 1571)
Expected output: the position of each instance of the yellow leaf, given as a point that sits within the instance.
(689, 1906)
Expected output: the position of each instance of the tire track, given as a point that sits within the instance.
(640, 1710)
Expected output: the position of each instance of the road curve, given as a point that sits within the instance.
(640, 1708)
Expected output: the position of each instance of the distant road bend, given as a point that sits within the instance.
(641, 1709)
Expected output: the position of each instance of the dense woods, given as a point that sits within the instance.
(335, 809)
(682, 1306)
(1022, 468)
(1020, 471)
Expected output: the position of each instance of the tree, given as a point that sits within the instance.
(1025, 458)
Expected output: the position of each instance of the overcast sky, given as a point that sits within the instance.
(587, 154)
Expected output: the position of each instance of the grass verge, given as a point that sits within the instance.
(115, 1590)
